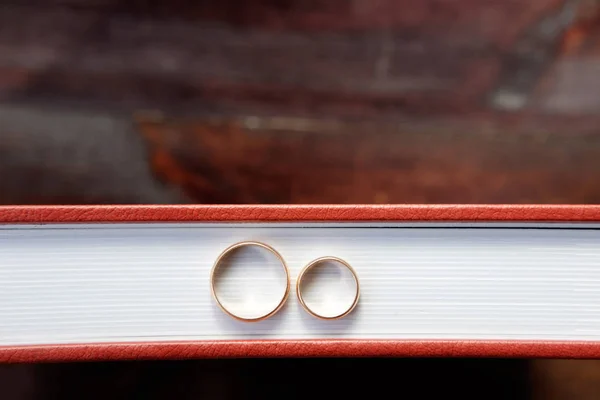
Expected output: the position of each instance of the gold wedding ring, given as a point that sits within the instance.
(316, 263)
(228, 251)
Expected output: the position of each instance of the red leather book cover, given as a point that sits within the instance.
(567, 341)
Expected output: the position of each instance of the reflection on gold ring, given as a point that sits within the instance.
(233, 248)
(315, 263)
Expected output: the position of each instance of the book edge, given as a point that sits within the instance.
(296, 213)
(298, 348)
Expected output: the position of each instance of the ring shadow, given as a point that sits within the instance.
(234, 326)
(329, 327)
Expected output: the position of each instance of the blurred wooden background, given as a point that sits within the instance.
(303, 101)
(300, 101)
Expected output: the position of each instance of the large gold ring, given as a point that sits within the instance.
(312, 265)
(232, 249)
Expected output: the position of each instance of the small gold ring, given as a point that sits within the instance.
(315, 263)
(233, 248)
